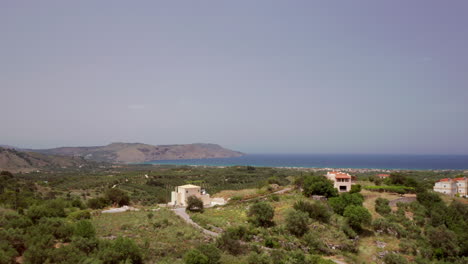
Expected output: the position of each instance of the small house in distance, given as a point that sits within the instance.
(383, 176)
(341, 180)
(181, 193)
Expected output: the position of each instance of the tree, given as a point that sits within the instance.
(194, 204)
(357, 216)
(261, 214)
(356, 188)
(211, 252)
(84, 228)
(319, 185)
(297, 222)
(340, 203)
(382, 206)
(194, 256)
(318, 210)
(392, 258)
(117, 196)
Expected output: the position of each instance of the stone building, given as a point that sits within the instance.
(341, 181)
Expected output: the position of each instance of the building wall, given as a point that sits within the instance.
(462, 186)
(446, 187)
(337, 183)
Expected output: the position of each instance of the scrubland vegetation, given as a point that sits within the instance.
(56, 218)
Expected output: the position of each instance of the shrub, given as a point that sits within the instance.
(120, 251)
(79, 215)
(297, 222)
(194, 256)
(230, 244)
(317, 210)
(84, 228)
(382, 206)
(319, 185)
(356, 188)
(340, 203)
(117, 196)
(194, 204)
(261, 214)
(315, 243)
(393, 258)
(211, 252)
(52, 208)
(382, 225)
(256, 258)
(98, 203)
(357, 216)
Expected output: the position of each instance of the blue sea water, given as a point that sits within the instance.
(380, 161)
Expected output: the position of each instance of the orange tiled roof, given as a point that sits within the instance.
(445, 179)
(459, 179)
(383, 175)
(342, 176)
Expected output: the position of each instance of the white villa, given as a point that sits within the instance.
(452, 186)
(181, 193)
(341, 180)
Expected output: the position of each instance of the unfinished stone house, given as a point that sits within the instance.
(341, 181)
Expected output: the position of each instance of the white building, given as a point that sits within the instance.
(452, 186)
(181, 193)
(341, 180)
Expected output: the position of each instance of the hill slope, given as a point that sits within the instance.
(138, 152)
(15, 161)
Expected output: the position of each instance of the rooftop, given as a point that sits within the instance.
(189, 186)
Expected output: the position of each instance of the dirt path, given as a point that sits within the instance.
(181, 212)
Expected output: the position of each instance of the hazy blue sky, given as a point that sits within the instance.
(255, 76)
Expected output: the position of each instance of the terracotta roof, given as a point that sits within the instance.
(445, 179)
(342, 176)
(460, 179)
(383, 175)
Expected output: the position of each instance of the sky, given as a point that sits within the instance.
(254, 76)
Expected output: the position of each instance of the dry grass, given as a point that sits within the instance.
(370, 197)
(164, 237)
(245, 193)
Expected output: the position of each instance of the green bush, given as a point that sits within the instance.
(194, 256)
(256, 258)
(79, 215)
(319, 185)
(382, 206)
(392, 258)
(357, 216)
(384, 226)
(261, 214)
(318, 210)
(117, 196)
(211, 252)
(84, 228)
(120, 251)
(98, 203)
(339, 204)
(355, 188)
(230, 244)
(297, 222)
(194, 204)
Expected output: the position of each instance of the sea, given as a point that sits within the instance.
(355, 161)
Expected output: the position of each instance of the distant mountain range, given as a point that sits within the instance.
(135, 152)
(14, 160)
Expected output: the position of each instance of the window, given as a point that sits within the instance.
(342, 188)
(186, 191)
